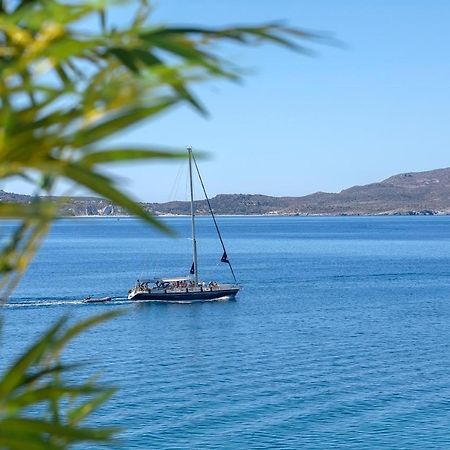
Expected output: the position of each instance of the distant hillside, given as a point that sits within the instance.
(407, 193)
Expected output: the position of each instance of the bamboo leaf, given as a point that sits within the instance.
(81, 412)
(62, 94)
(47, 347)
(186, 50)
(55, 369)
(128, 155)
(48, 393)
(17, 254)
(146, 57)
(32, 210)
(125, 57)
(81, 326)
(22, 441)
(119, 122)
(105, 188)
(14, 376)
(68, 432)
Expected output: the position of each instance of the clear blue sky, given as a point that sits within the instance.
(300, 124)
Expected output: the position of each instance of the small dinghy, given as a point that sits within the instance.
(90, 299)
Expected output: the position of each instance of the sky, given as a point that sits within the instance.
(351, 114)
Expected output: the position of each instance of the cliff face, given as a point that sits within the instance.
(407, 193)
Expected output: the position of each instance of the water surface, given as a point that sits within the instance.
(339, 338)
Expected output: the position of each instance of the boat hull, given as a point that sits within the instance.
(97, 300)
(177, 296)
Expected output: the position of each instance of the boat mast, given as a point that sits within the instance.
(194, 242)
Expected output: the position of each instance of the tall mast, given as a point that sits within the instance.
(194, 242)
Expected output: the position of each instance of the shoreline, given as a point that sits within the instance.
(164, 216)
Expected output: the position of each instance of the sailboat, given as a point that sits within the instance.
(189, 288)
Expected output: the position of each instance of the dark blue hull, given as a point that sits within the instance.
(97, 300)
(186, 296)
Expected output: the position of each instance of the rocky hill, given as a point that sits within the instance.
(407, 193)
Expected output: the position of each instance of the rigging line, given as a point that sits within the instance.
(214, 219)
(176, 184)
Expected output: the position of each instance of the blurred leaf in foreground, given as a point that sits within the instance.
(66, 88)
(36, 384)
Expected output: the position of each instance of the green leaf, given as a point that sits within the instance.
(56, 369)
(24, 441)
(146, 57)
(16, 254)
(15, 375)
(47, 393)
(126, 57)
(128, 155)
(68, 432)
(63, 92)
(81, 326)
(186, 50)
(105, 188)
(81, 412)
(121, 120)
(46, 347)
(27, 211)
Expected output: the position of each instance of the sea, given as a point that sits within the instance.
(339, 338)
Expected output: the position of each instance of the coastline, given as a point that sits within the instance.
(164, 216)
(408, 194)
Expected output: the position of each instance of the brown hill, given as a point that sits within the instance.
(407, 193)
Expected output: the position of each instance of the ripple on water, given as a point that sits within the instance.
(350, 350)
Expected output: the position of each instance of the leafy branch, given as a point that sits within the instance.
(64, 91)
(36, 380)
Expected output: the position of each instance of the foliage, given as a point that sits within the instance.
(34, 383)
(69, 81)
(65, 91)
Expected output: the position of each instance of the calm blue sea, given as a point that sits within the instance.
(340, 337)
